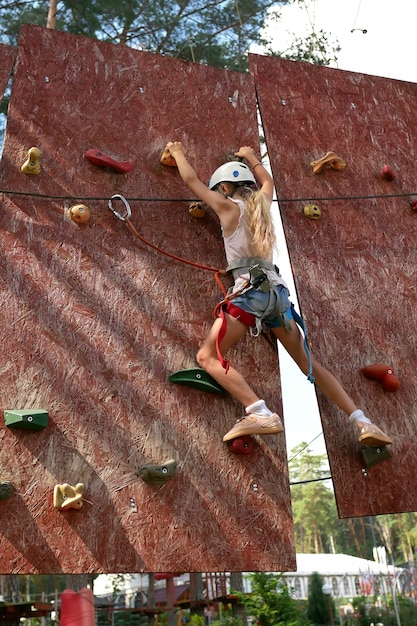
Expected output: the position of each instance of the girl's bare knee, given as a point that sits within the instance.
(202, 358)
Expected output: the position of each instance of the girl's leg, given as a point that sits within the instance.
(259, 419)
(207, 358)
(293, 342)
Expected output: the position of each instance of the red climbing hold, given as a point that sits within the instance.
(242, 445)
(384, 373)
(387, 173)
(103, 160)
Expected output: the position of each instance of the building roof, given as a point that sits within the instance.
(339, 565)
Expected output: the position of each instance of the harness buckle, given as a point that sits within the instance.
(127, 211)
(258, 278)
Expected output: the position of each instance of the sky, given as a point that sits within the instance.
(387, 49)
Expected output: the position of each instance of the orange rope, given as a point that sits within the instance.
(217, 272)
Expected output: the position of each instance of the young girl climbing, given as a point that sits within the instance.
(259, 295)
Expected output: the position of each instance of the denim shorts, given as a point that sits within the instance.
(260, 304)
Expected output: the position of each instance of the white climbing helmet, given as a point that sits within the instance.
(232, 172)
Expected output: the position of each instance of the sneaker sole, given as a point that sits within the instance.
(373, 441)
(272, 430)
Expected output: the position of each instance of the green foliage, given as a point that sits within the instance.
(318, 609)
(314, 509)
(214, 33)
(270, 602)
(228, 620)
(129, 618)
(367, 611)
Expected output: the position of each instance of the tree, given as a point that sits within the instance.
(270, 602)
(314, 510)
(318, 605)
(217, 33)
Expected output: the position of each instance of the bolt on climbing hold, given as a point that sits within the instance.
(157, 475)
(383, 373)
(79, 213)
(6, 489)
(312, 211)
(68, 497)
(197, 209)
(32, 165)
(329, 160)
(167, 158)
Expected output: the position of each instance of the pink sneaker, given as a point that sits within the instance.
(371, 435)
(254, 425)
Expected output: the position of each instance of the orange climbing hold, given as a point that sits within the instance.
(168, 159)
(329, 160)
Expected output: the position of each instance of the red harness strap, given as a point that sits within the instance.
(246, 318)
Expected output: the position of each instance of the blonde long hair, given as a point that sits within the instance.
(259, 219)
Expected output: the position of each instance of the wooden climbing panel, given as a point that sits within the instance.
(94, 321)
(355, 266)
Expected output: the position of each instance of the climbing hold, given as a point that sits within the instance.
(414, 206)
(197, 209)
(312, 211)
(79, 213)
(68, 497)
(103, 160)
(373, 456)
(167, 159)
(242, 445)
(6, 489)
(32, 165)
(383, 373)
(197, 377)
(329, 160)
(29, 419)
(387, 173)
(158, 475)
(390, 382)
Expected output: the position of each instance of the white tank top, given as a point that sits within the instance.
(239, 245)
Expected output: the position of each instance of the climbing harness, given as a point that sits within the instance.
(258, 279)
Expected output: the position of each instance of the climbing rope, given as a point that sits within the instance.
(125, 217)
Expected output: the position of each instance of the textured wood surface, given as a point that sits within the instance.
(93, 322)
(355, 268)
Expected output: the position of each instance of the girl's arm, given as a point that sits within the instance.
(261, 174)
(215, 200)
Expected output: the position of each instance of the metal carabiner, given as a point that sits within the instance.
(128, 213)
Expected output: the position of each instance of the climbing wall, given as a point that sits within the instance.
(94, 321)
(355, 266)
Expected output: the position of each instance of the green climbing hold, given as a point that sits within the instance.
(6, 489)
(198, 378)
(157, 475)
(29, 419)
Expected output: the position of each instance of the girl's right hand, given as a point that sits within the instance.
(175, 147)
